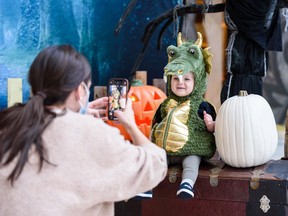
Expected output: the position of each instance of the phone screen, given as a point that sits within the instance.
(117, 96)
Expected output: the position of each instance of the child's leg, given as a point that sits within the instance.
(190, 173)
(191, 167)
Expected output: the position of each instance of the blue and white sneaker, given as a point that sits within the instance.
(185, 190)
(145, 195)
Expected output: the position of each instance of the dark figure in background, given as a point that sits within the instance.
(254, 28)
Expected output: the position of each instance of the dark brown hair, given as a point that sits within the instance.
(54, 74)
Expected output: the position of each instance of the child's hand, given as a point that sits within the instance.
(210, 124)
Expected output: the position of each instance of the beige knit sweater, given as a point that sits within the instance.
(93, 168)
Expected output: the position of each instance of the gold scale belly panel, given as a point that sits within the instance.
(172, 133)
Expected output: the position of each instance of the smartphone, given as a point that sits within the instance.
(117, 92)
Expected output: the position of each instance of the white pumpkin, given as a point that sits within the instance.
(245, 131)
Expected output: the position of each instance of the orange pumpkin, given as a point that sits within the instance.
(145, 101)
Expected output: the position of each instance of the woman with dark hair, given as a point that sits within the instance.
(55, 161)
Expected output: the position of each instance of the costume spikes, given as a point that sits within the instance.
(179, 39)
(199, 40)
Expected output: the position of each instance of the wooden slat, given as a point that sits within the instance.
(100, 91)
(15, 93)
(142, 75)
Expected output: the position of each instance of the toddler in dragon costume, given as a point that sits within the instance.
(184, 123)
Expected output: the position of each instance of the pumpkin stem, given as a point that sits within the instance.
(243, 93)
(136, 82)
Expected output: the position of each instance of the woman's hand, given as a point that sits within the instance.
(126, 117)
(98, 108)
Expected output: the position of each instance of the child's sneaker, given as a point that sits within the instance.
(145, 195)
(185, 191)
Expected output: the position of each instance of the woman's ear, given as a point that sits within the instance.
(79, 91)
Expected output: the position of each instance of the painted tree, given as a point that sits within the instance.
(57, 23)
(28, 31)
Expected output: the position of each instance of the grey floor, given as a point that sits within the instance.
(279, 153)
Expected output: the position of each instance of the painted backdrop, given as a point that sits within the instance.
(26, 26)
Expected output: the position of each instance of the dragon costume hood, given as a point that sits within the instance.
(188, 57)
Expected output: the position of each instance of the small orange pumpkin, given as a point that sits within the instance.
(145, 101)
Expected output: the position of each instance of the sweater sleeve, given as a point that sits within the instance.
(123, 168)
(209, 108)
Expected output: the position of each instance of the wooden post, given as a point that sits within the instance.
(159, 83)
(142, 75)
(15, 93)
(100, 91)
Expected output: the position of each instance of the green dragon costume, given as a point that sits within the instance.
(178, 124)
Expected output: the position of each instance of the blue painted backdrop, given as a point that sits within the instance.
(27, 26)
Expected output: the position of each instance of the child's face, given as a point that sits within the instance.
(182, 87)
